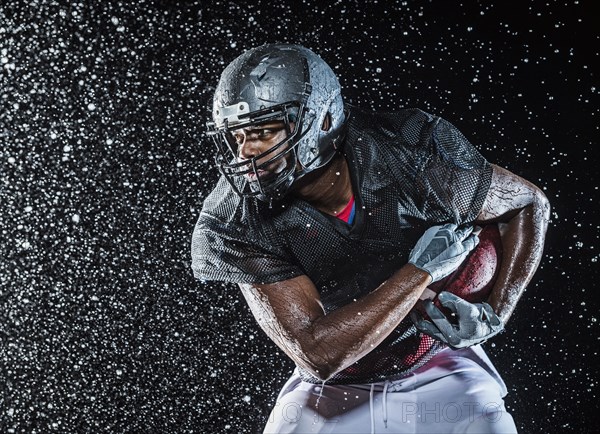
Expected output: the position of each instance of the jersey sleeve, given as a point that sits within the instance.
(457, 177)
(225, 250)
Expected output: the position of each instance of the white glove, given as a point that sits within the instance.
(475, 322)
(441, 249)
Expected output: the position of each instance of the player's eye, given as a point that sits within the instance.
(254, 134)
(260, 134)
(264, 133)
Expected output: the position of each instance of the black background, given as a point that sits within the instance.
(103, 167)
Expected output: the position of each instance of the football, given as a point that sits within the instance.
(474, 278)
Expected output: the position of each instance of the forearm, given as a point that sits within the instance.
(327, 343)
(523, 244)
(345, 335)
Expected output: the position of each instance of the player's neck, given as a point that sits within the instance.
(331, 190)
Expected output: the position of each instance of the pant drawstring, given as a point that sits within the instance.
(372, 410)
(384, 402)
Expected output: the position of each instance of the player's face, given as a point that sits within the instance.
(257, 139)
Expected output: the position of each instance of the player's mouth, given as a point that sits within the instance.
(255, 176)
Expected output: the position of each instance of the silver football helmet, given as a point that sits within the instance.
(283, 83)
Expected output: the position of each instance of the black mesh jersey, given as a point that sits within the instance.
(409, 170)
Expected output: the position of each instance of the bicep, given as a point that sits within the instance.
(507, 195)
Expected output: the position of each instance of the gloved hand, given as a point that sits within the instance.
(441, 249)
(475, 322)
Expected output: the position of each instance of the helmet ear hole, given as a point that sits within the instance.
(326, 125)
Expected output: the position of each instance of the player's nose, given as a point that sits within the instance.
(248, 148)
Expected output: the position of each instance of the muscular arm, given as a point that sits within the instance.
(524, 211)
(291, 314)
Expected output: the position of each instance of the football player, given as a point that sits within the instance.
(333, 220)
